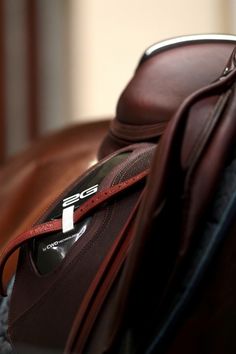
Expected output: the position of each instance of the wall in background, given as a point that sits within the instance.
(108, 37)
(67, 61)
(33, 78)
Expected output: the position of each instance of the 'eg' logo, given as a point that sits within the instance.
(76, 197)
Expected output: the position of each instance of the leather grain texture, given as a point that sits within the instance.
(31, 180)
(159, 85)
(130, 302)
(38, 298)
(184, 178)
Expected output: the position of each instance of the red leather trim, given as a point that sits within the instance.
(56, 225)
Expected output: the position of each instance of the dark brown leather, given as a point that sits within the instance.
(180, 188)
(38, 298)
(209, 325)
(185, 174)
(31, 180)
(160, 83)
(189, 159)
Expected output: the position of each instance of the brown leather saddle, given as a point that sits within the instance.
(196, 146)
(167, 73)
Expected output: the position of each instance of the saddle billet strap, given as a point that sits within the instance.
(166, 164)
(56, 225)
(101, 285)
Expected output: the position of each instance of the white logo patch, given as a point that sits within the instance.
(76, 197)
(68, 211)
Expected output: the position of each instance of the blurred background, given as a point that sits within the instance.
(64, 61)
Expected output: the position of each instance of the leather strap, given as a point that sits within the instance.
(56, 225)
(100, 286)
(166, 164)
